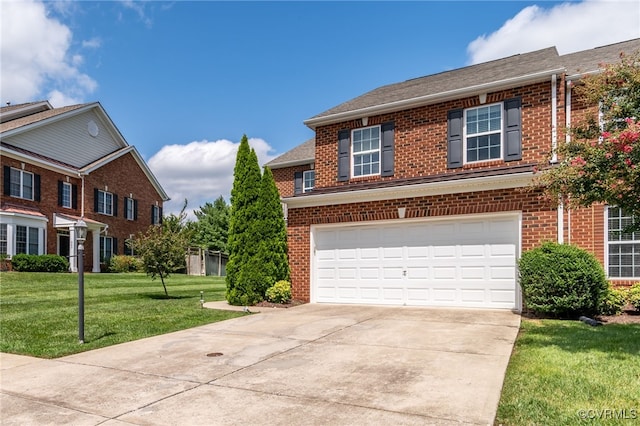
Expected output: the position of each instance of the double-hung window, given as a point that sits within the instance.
(623, 247)
(483, 133)
(104, 202)
(156, 215)
(21, 185)
(26, 239)
(66, 195)
(308, 180)
(130, 208)
(3, 238)
(365, 151)
(106, 249)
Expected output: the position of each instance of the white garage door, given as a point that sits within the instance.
(455, 263)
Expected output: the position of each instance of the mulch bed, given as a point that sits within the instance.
(628, 316)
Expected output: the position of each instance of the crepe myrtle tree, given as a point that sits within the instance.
(601, 163)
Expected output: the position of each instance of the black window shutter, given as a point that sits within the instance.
(344, 152)
(115, 205)
(125, 205)
(115, 245)
(7, 180)
(454, 138)
(160, 214)
(74, 196)
(60, 189)
(36, 187)
(387, 149)
(95, 200)
(152, 215)
(513, 129)
(297, 183)
(135, 209)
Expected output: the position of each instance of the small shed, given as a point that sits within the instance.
(205, 262)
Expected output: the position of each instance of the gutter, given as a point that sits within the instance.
(430, 99)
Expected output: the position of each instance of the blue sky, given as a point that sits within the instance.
(183, 81)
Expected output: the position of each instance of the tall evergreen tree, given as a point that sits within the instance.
(242, 244)
(272, 229)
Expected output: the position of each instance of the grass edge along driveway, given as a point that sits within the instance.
(566, 372)
(39, 311)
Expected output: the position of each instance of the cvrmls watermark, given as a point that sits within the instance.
(609, 414)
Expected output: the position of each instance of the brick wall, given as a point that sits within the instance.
(421, 135)
(284, 179)
(122, 177)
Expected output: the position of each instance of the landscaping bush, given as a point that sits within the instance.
(613, 302)
(634, 296)
(39, 263)
(122, 263)
(280, 292)
(561, 280)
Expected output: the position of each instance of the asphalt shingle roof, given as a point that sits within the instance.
(590, 60)
(305, 152)
(34, 118)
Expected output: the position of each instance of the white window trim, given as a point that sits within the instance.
(606, 247)
(14, 220)
(379, 151)
(464, 134)
(129, 201)
(67, 186)
(33, 184)
(103, 242)
(103, 194)
(156, 215)
(306, 188)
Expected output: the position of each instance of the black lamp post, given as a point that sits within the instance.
(81, 236)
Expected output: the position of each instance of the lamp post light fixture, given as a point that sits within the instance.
(81, 236)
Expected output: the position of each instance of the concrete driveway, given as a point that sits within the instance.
(312, 364)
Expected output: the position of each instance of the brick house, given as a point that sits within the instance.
(61, 164)
(418, 193)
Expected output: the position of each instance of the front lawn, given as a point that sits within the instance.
(39, 311)
(567, 373)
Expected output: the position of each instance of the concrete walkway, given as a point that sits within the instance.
(309, 365)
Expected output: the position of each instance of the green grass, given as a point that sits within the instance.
(39, 311)
(559, 368)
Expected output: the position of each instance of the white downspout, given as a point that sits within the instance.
(567, 139)
(554, 119)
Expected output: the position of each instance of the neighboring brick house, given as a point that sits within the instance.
(61, 164)
(422, 190)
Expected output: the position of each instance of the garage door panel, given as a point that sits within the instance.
(469, 262)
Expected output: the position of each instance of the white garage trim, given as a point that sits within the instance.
(454, 261)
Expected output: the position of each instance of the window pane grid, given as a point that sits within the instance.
(366, 151)
(21, 239)
(624, 248)
(105, 202)
(309, 180)
(3, 238)
(21, 184)
(129, 208)
(66, 195)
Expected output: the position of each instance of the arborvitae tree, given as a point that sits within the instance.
(272, 249)
(212, 228)
(242, 244)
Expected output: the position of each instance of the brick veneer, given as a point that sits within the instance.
(284, 179)
(122, 176)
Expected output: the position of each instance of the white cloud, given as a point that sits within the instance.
(93, 43)
(200, 171)
(35, 56)
(568, 26)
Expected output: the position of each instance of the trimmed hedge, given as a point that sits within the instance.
(634, 296)
(562, 280)
(280, 292)
(122, 263)
(39, 263)
(613, 302)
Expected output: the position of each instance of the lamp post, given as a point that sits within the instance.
(81, 236)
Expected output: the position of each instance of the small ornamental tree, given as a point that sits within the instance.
(162, 248)
(601, 163)
(242, 244)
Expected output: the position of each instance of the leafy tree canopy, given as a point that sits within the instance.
(601, 163)
(212, 226)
